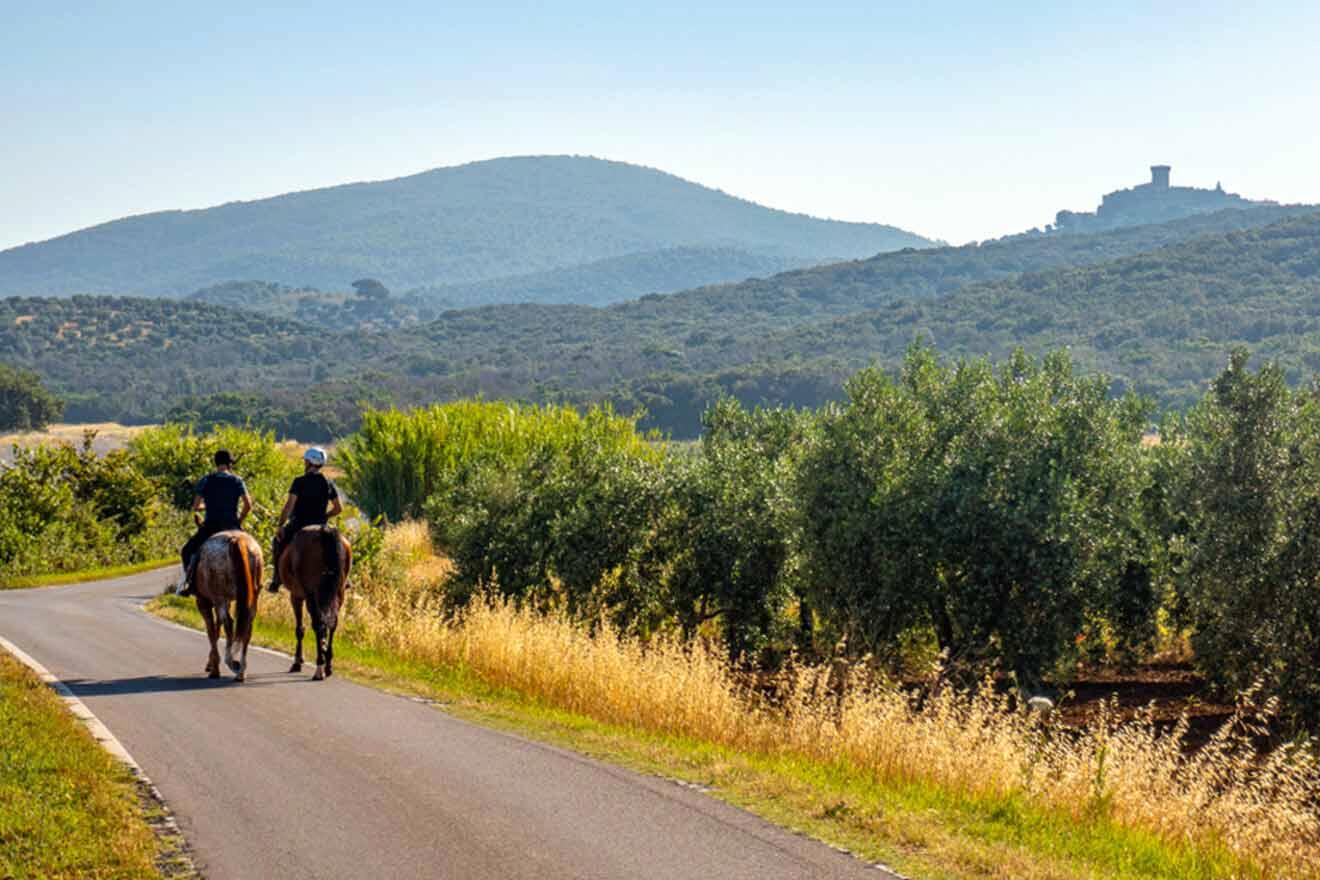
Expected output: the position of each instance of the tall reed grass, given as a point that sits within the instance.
(977, 744)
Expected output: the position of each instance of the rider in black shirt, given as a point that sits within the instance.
(220, 493)
(312, 500)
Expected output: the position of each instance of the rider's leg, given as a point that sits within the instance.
(189, 554)
(281, 538)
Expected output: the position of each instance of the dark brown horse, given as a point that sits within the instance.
(314, 567)
(228, 570)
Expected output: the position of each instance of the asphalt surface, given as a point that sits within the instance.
(283, 777)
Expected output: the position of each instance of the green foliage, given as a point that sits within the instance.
(397, 460)
(336, 312)
(532, 501)
(63, 509)
(1203, 286)
(999, 507)
(731, 543)
(313, 416)
(1248, 538)
(25, 404)
(174, 458)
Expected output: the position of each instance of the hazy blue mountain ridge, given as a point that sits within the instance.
(468, 223)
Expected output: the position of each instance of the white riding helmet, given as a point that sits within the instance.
(315, 456)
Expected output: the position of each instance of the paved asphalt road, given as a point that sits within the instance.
(283, 777)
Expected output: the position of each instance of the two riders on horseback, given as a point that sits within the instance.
(224, 497)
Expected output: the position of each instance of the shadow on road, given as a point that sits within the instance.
(147, 684)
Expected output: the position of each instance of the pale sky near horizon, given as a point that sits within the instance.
(956, 120)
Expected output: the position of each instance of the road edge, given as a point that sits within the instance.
(174, 861)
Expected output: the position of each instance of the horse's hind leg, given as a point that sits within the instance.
(318, 627)
(213, 634)
(243, 635)
(330, 651)
(297, 603)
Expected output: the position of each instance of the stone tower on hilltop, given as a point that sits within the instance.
(1154, 202)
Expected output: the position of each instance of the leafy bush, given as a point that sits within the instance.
(63, 509)
(998, 507)
(550, 502)
(174, 458)
(1248, 542)
(25, 404)
(731, 545)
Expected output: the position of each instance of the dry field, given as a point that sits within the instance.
(109, 435)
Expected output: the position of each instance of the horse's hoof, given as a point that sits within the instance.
(297, 667)
(213, 673)
(319, 675)
(240, 678)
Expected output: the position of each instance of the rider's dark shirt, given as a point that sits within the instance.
(222, 491)
(314, 493)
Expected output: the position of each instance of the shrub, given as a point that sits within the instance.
(730, 543)
(63, 509)
(1001, 508)
(174, 458)
(1248, 541)
(550, 503)
(25, 403)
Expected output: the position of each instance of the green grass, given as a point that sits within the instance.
(67, 809)
(77, 577)
(918, 829)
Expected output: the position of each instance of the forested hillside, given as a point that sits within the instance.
(485, 220)
(1161, 321)
(613, 280)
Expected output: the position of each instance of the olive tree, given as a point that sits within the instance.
(999, 507)
(1248, 495)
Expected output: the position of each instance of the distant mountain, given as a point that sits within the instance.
(470, 223)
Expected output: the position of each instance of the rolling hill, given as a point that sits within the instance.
(477, 222)
(1157, 307)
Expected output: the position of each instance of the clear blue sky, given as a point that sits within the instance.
(959, 120)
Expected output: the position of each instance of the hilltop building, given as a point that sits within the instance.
(1153, 202)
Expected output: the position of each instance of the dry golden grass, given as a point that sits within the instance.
(968, 744)
(109, 435)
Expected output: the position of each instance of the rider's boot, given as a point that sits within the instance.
(185, 585)
(275, 569)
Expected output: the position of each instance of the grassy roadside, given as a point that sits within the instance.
(920, 829)
(77, 577)
(67, 809)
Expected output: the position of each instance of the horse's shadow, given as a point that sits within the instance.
(155, 684)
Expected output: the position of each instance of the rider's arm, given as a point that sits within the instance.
(335, 507)
(247, 508)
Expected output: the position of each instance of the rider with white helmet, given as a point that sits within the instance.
(312, 500)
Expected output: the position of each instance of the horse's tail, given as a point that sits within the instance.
(327, 591)
(245, 589)
(245, 597)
